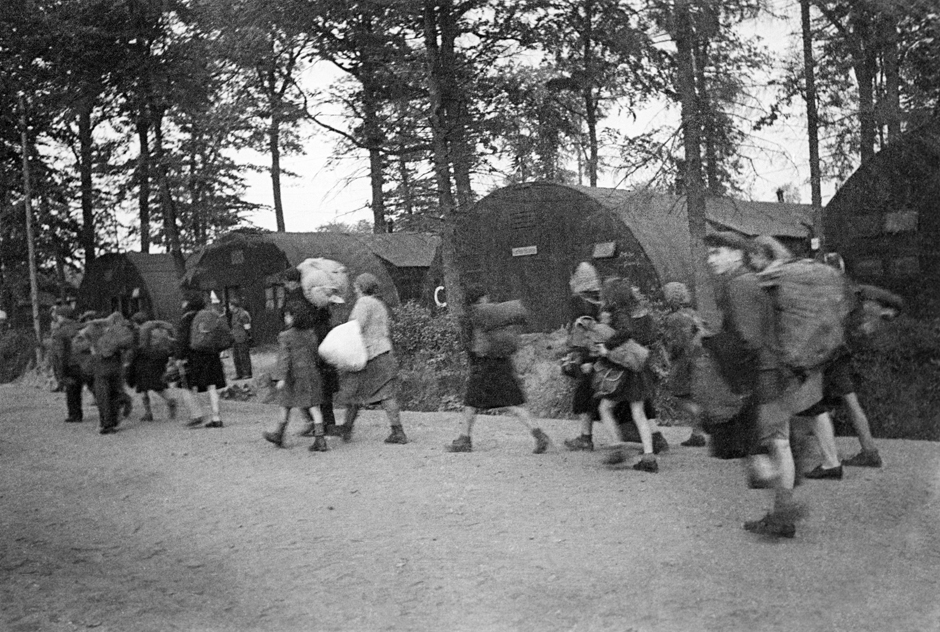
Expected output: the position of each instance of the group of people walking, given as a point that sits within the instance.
(611, 332)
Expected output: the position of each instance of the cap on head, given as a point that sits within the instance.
(677, 294)
(729, 239)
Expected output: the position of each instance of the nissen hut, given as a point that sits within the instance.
(885, 219)
(523, 241)
(248, 266)
(130, 282)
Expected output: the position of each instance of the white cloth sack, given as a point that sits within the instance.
(344, 347)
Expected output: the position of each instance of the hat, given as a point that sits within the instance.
(140, 317)
(677, 294)
(729, 239)
(584, 279)
(65, 311)
(291, 274)
(368, 283)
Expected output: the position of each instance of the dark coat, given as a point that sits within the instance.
(297, 366)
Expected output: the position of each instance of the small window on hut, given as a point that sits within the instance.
(901, 222)
(238, 257)
(605, 250)
(270, 297)
(869, 268)
(520, 219)
(905, 267)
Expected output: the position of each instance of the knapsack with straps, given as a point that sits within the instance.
(812, 302)
(210, 332)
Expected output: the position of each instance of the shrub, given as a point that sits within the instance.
(432, 362)
(17, 353)
(898, 380)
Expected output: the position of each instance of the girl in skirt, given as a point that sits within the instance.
(492, 384)
(635, 387)
(298, 380)
(377, 383)
(200, 371)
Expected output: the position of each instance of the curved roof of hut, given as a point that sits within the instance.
(660, 222)
(346, 248)
(159, 272)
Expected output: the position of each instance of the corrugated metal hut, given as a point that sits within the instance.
(885, 220)
(129, 282)
(524, 241)
(249, 266)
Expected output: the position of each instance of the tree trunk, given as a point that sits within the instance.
(706, 116)
(454, 108)
(143, 181)
(168, 206)
(891, 107)
(812, 123)
(691, 126)
(590, 102)
(375, 140)
(30, 239)
(440, 70)
(865, 67)
(274, 146)
(84, 169)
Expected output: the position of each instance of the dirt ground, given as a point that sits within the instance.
(160, 528)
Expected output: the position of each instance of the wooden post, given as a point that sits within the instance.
(30, 239)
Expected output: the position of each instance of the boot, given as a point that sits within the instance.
(276, 437)
(584, 442)
(460, 444)
(319, 444)
(397, 436)
(542, 442)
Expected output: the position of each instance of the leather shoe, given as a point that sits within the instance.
(835, 473)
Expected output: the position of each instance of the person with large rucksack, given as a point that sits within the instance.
(493, 382)
(811, 303)
(155, 342)
(749, 334)
(111, 339)
(201, 336)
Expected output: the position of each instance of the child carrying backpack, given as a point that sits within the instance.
(155, 343)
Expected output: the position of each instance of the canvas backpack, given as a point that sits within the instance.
(116, 337)
(210, 332)
(156, 338)
(812, 302)
(497, 328)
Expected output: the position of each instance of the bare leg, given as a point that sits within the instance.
(524, 416)
(642, 426)
(606, 409)
(825, 435)
(214, 402)
(860, 422)
(466, 422)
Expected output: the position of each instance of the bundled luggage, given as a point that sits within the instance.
(321, 279)
(210, 332)
(812, 302)
(157, 339)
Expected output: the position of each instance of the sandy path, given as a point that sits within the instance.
(163, 528)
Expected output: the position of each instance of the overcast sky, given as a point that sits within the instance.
(321, 194)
